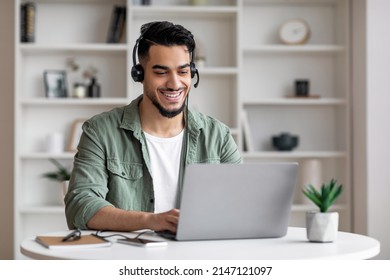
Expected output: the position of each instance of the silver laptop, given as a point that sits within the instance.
(231, 201)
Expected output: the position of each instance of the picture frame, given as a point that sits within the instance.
(55, 83)
(75, 134)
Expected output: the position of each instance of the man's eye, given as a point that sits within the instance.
(160, 73)
(184, 72)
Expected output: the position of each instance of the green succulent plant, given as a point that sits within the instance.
(327, 195)
(62, 173)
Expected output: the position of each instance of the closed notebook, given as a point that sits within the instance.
(86, 241)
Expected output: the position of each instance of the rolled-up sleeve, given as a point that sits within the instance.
(88, 182)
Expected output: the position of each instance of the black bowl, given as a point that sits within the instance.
(285, 141)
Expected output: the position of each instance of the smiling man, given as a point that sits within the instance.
(128, 171)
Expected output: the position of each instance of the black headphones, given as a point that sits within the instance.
(137, 72)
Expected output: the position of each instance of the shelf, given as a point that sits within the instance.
(27, 48)
(293, 49)
(73, 101)
(198, 11)
(42, 210)
(42, 155)
(218, 70)
(294, 154)
(290, 2)
(296, 101)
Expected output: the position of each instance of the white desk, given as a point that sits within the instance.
(293, 246)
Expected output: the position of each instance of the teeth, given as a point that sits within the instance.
(171, 95)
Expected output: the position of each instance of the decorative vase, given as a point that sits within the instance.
(93, 88)
(322, 227)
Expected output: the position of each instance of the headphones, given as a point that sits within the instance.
(137, 72)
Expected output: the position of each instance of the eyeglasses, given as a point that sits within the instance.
(76, 235)
(73, 236)
(100, 235)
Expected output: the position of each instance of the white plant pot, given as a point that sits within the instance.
(322, 227)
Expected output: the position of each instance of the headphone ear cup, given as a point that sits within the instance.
(193, 70)
(137, 73)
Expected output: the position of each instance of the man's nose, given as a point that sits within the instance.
(174, 81)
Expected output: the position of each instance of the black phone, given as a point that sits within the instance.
(142, 242)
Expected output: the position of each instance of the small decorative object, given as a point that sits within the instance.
(93, 88)
(75, 134)
(302, 88)
(79, 90)
(55, 143)
(322, 226)
(27, 22)
(55, 83)
(294, 32)
(62, 175)
(90, 72)
(285, 141)
(73, 64)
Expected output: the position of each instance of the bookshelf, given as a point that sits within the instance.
(246, 70)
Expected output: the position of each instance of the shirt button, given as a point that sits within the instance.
(123, 173)
(151, 200)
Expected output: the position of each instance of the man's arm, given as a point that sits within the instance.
(86, 206)
(111, 218)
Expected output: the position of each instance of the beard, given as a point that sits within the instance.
(164, 112)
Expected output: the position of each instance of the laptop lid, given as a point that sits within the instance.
(231, 201)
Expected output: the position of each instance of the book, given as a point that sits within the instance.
(117, 24)
(27, 22)
(86, 241)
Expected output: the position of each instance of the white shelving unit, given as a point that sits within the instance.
(269, 69)
(246, 68)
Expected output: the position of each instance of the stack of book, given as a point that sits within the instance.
(27, 22)
(116, 29)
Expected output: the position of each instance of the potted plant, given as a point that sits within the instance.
(322, 226)
(61, 175)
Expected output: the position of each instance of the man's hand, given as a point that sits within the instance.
(164, 221)
(111, 218)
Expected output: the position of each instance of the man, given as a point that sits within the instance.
(129, 168)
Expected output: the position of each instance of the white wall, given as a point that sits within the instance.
(372, 120)
(378, 121)
(6, 127)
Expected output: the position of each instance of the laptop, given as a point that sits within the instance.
(236, 201)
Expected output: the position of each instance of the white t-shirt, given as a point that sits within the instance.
(165, 156)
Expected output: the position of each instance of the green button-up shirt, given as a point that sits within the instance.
(112, 165)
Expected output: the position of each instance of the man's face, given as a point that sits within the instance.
(167, 78)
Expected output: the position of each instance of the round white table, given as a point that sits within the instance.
(292, 246)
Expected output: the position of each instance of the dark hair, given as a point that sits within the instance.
(166, 34)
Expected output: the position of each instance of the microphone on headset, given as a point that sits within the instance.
(197, 78)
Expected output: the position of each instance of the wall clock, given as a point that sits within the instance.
(294, 32)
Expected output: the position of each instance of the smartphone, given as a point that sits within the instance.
(142, 242)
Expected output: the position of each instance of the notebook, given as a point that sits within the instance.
(86, 241)
(236, 201)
